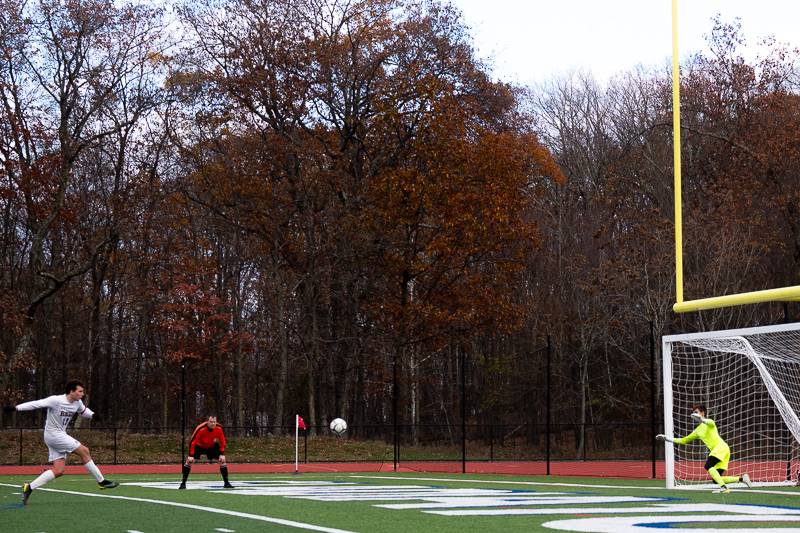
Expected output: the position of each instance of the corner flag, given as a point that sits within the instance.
(299, 424)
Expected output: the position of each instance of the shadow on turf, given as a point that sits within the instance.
(6, 506)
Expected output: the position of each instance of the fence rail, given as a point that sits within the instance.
(435, 442)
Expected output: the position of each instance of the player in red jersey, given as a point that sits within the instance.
(207, 439)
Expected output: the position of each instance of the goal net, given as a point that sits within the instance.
(749, 381)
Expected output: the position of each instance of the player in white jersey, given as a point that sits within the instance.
(60, 410)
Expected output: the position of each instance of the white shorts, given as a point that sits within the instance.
(59, 444)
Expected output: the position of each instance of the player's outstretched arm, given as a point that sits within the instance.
(38, 404)
(661, 437)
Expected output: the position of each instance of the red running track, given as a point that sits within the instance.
(618, 469)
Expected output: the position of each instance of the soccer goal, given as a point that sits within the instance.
(749, 381)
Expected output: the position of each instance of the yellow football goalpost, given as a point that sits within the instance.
(681, 306)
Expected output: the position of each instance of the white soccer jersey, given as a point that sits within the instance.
(59, 411)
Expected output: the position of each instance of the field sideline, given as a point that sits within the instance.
(390, 502)
(602, 469)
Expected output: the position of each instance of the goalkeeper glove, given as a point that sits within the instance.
(698, 417)
(663, 438)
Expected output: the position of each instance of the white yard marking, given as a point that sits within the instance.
(444, 503)
(134, 531)
(500, 482)
(345, 492)
(650, 509)
(645, 524)
(393, 494)
(764, 490)
(240, 485)
(224, 530)
(260, 518)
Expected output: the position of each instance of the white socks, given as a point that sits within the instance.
(48, 475)
(93, 470)
(45, 477)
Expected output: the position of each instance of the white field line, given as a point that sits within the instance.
(579, 485)
(501, 482)
(261, 518)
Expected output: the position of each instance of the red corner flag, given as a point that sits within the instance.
(300, 422)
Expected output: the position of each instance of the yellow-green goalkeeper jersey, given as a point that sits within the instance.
(707, 432)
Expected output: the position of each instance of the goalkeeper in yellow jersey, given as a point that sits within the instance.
(719, 453)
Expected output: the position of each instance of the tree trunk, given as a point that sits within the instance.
(584, 370)
(282, 376)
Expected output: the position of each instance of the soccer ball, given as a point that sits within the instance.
(338, 426)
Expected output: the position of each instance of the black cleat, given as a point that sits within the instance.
(182, 486)
(107, 484)
(26, 493)
(227, 486)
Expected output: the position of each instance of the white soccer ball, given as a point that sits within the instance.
(338, 426)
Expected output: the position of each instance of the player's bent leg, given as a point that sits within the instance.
(83, 452)
(712, 463)
(59, 467)
(223, 469)
(185, 470)
(45, 477)
(718, 480)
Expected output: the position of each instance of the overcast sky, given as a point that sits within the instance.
(530, 41)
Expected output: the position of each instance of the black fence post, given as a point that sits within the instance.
(20, 446)
(491, 443)
(305, 446)
(183, 411)
(548, 428)
(653, 396)
(394, 410)
(463, 411)
(115, 445)
(583, 437)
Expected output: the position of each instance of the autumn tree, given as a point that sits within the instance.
(74, 74)
(375, 115)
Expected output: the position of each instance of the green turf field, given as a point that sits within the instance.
(388, 502)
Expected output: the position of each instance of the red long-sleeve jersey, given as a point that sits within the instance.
(205, 438)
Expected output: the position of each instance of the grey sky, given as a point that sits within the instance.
(533, 40)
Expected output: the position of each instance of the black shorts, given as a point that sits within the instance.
(212, 453)
(711, 462)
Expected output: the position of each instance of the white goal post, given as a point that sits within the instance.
(749, 381)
